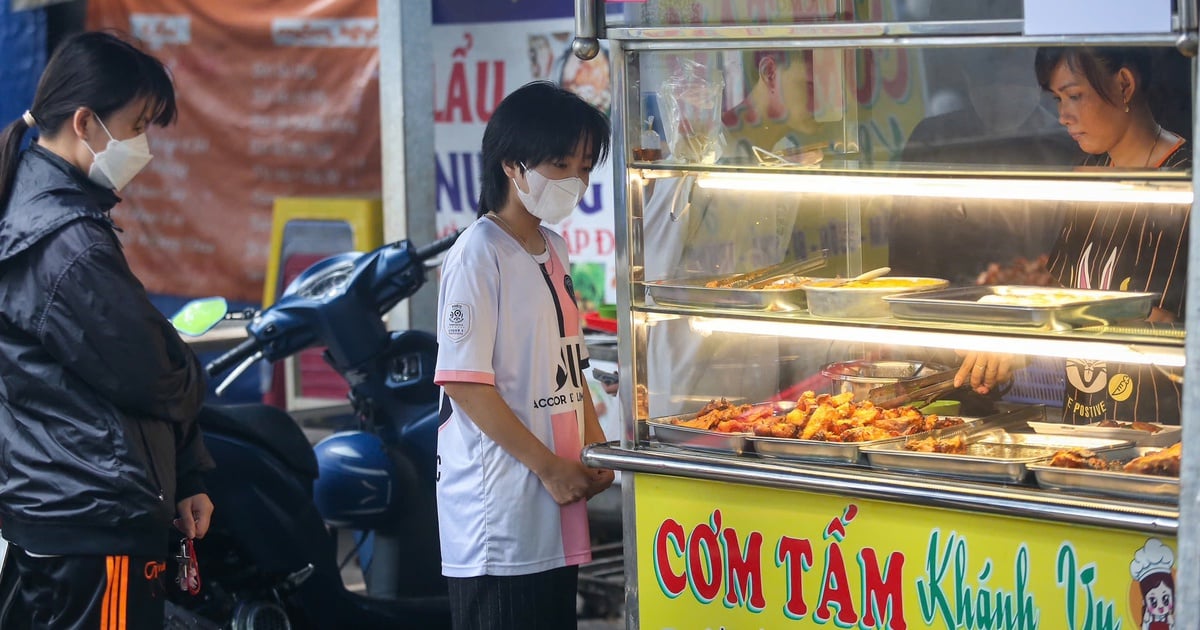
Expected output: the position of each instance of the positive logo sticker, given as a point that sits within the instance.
(458, 321)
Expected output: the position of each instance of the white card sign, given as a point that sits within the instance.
(1097, 17)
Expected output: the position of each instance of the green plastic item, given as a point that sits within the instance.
(942, 408)
(199, 316)
(607, 311)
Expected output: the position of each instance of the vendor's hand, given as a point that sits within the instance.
(602, 478)
(984, 370)
(567, 481)
(195, 514)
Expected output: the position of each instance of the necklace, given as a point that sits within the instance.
(1157, 135)
(524, 245)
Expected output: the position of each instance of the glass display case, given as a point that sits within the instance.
(1026, 200)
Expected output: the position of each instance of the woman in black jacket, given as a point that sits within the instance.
(99, 450)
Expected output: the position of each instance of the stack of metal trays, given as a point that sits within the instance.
(1111, 483)
(1165, 435)
(694, 293)
(778, 287)
(1003, 458)
(1040, 307)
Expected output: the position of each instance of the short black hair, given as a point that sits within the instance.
(1096, 64)
(538, 122)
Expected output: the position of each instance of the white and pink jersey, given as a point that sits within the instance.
(511, 322)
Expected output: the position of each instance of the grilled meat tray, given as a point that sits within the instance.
(1112, 483)
(1009, 305)
(1003, 458)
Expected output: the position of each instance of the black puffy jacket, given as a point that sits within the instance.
(98, 394)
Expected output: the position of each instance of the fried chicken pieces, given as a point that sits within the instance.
(954, 445)
(1164, 463)
(821, 417)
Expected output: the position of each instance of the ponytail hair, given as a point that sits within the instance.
(10, 149)
(95, 70)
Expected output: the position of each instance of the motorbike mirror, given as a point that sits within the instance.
(199, 316)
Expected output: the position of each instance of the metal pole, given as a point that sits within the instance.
(406, 134)
(1187, 564)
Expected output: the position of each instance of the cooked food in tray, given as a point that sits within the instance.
(1163, 463)
(954, 444)
(771, 284)
(820, 417)
(839, 419)
(725, 417)
(1136, 425)
(914, 284)
(1015, 296)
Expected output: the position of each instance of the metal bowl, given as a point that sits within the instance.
(861, 376)
(864, 302)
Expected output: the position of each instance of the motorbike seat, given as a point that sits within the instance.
(266, 426)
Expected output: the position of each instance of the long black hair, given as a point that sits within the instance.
(96, 70)
(539, 121)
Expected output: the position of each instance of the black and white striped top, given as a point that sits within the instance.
(1125, 247)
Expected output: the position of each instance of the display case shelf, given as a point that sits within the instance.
(1132, 343)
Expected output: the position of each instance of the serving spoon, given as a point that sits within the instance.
(862, 277)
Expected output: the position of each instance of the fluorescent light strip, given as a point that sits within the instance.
(955, 188)
(1034, 346)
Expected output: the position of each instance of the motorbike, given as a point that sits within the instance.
(270, 557)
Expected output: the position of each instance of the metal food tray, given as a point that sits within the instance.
(1004, 459)
(1110, 482)
(797, 449)
(692, 292)
(1167, 436)
(697, 439)
(961, 305)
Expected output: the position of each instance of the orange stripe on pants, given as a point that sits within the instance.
(112, 613)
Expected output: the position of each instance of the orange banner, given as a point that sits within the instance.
(276, 98)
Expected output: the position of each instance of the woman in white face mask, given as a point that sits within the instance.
(512, 489)
(96, 380)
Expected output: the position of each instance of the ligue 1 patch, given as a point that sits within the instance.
(458, 321)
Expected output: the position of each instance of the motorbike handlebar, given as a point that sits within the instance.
(235, 356)
(436, 247)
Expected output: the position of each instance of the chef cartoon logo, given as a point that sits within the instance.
(1087, 376)
(458, 321)
(1152, 593)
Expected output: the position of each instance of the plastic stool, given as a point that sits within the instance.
(303, 231)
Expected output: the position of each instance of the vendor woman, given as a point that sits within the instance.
(1104, 104)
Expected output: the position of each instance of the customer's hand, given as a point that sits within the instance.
(602, 478)
(195, 514)
(566, 480)
(983, 371)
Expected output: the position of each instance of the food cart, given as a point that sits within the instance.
(822, 139)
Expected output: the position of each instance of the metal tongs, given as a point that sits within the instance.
(924, 390)
(787, 268)
(996, 425)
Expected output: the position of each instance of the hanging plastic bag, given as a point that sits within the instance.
(690, 100)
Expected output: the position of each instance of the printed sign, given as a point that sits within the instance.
(476, 66)
(720, 555)
(270, 104)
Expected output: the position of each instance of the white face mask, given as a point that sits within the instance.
(550, 200)
(120, 161)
